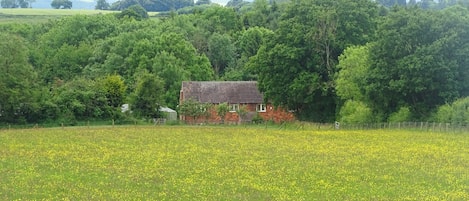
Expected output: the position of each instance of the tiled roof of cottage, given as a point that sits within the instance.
(221, 92)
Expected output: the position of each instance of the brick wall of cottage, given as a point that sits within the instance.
(276, 115)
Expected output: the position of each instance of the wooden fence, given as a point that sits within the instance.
(422, 126)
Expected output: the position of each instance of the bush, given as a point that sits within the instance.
(355, 112)
(456, 112)
(402, 115)
(444, 113)
(257, 119)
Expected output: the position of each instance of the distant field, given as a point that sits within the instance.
(216, 163)
(51, 12)
(43, 15)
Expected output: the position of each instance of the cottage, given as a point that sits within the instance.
(236, 94)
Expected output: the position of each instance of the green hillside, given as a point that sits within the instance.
(50, 12)
(43, 15)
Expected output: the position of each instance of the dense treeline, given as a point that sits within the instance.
(347, 60)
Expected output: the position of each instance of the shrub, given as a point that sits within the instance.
(456, 112)
(402, 115)
(257, 119)
(355, 112)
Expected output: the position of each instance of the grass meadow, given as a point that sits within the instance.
(231, 163)
(27, 15)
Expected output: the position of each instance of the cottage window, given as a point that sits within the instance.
(261, 108)
(234, 107)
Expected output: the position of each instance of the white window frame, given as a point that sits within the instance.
(261, 108)
(234, 107)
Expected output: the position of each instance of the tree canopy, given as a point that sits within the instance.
(348, 60)
(61, 4)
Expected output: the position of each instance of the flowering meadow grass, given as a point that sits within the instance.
(232, 163)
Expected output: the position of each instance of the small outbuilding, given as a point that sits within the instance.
(169, 114)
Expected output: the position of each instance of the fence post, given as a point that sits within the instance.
(113, 123)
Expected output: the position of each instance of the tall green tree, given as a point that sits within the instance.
(296, 68)
(147, 98)
(16, 3)
(248, 44)
(419, 61)
(354, 64)
(61, 4)
(258, 15)
(114, 89)
(102, 5)
(81, 99)
(9, 4)
(135, 11)
(221, 52)
(219, 19)
(18, 80)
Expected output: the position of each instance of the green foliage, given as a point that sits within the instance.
(220, 19)
(114, 88)
(17, 82)
(248, 44)
(81, 99)
(221, 52)
(9, 4)
(66, 62)
(257, 119)
(242, 112)
(102, 5)
(147, 98)
(460, 111)
(353, 65)
(419, 61)
(457, 112)
(152, 5)
(356, 112)
(194, 109)
(444, 113)
(402, 115)
(136, 12)
(310, 56)
(258, 14)
(167, 55)
(299, 61)
(61, 4)
(16, 3)
(222, 109)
